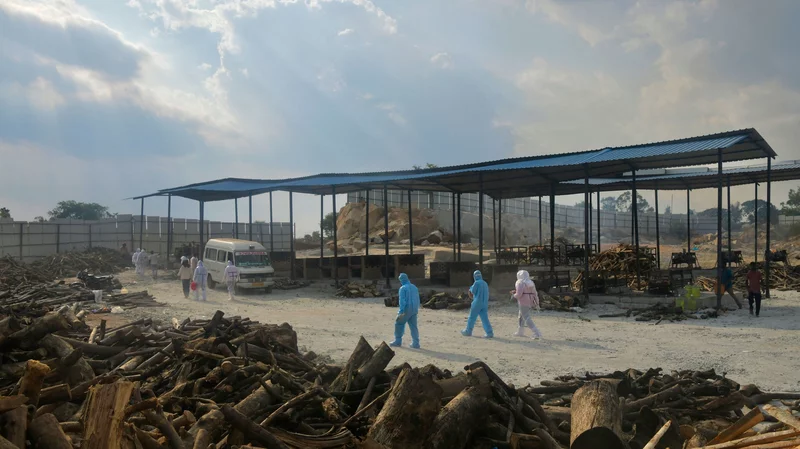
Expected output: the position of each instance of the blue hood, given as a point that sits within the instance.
(404, 279)
(477, 275)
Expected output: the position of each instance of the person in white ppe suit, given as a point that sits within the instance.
(135, 258)
(201, 279)
(231, 277)
(141, 262)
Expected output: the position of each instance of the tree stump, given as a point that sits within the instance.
(456, 424)
(105, 412)
(409, 412)
(597, 417)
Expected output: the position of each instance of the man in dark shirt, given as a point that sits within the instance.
(727, 284)
(754, 288)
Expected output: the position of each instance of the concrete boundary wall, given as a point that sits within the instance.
(29, 241)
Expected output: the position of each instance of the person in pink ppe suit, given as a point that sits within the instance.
(527, 298)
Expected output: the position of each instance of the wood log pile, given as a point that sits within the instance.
(781, 278)
(356, 290)
(663, 312)
(620, 261)
(229, 382)
(95, 260)
(289, 284)
(442, 300)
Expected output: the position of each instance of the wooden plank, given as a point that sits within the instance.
(741, 426)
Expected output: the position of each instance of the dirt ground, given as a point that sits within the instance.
(750, 350)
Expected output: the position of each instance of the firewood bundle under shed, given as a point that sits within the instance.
(229, 382)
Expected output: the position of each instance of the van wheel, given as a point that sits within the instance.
(211, 284)
(268, 290)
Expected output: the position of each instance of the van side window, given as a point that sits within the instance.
(211, 254)
(221, 257)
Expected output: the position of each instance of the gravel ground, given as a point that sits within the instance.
(760, 350)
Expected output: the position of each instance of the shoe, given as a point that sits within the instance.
(396, 344)
(520, 332)
(536, 337)
(414, 346)
(751, 311)
(466, 334)
(488, 336)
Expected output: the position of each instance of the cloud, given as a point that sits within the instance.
(570, 18)
(345, 32)
(204, 67)
(392, 114)
(40, 93)
(442, 60)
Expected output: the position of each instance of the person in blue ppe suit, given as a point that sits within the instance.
(409, 309)
(479, 292)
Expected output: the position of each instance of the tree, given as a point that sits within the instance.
(328, 223)
(427, 166)
(39, 219)
(624, 203)
(609, 204)
(580, 204)
(668, 210)
(736, 215)
(79, 211)
(792, 206)
(749, 208)
(5, 213)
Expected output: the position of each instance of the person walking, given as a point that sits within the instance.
(231, 277)
(135, 259)
(754, 288)
(154, 264)
(141, 262)
(407, 314)
(727, 284)
(527, 298)
(479, 293)
(185, 274)
(201, 279)
(193, 262)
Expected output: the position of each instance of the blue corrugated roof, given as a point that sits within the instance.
(500, 177)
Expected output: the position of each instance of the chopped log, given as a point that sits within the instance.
(596, 417)
(649, 401)
(5, 444)
(186, 419)
(14, 425)
(657, 437)
(147, 441)
(46, 433)
(289, 404)
(548, 442)
(56, 393)
(375, 365)
(458, 421)
(782, 415)
(476, 378)
(407, 416)
(77, 372)
(94, 350)
(157, 420)
(105, 412)
(741, 426)
(52, 322)
(552, 428)
(32, 381)
(765, 398)
(757, 441)
(11, 402)
(147, 404)
(72, 427)
(251, 429)
(360, 355)
(202, 440)
(9, 325)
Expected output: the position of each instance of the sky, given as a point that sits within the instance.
(104, 100)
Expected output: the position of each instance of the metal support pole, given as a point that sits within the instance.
(453, 206)
(271, 225)
(141, 224)
(599, 218)
(769, 226)
(250, 218)
(755, 224)
(500, 225)
(58, 238)
(540, 220)
(688, 222)
(730, 229)
(480, 221)
(321, 228)
(587, 230)
(366, 231)
(719, 229)
(291, 236)
(635, 207)
(410, 227)
(494, 225)
(589, 210)
(552, 229)
(335, 240)
(21, 239)
(202, 229)
(386, 232)
(236, 218)
(658, 235)
(459, 227)
(169, 230)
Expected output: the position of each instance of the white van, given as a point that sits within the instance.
(251, 258)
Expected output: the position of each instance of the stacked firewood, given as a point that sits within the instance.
(663, 312)
(356, 290)
(95, 260)
(781, 278)
(620, 262)
(227, 382)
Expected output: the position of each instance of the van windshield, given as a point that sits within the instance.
(251, 259)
